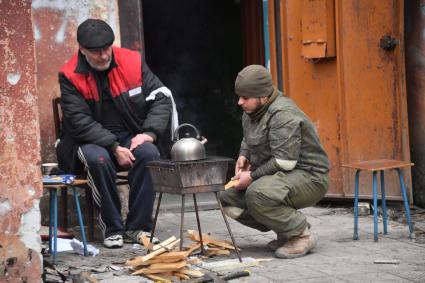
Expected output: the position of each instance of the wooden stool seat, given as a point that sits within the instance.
(378, 165)
(53, 214)
(375, 166)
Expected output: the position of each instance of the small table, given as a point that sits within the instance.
(53, 214)
(376, 166)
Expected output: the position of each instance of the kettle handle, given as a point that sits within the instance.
(176, 131)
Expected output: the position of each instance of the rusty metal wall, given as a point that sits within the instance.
(55, 25)
(20, 177)
(357, 100)
(415, 79)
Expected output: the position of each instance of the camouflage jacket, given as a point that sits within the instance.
(282, 140)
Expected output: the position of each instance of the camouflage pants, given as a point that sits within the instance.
(272, 202)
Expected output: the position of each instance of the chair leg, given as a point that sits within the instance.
(384, 203)
(356, 206)
(181, 223)
(406, 203)
(80, 220)
(199, 224)
(228, 227)
(375, 208)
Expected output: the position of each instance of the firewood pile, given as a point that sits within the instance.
(165, 262)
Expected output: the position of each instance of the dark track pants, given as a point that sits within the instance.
(101, 170)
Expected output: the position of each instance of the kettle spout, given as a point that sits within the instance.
(204, 140)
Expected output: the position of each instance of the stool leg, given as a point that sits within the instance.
(55, 224)
(375, 208)
(80, 220)
(199, 224)
(51, 215)
(384, 203)
(156, 217)
(228, 227)
(406, 202)
(64, 208)
(181, 223)
(356, 206)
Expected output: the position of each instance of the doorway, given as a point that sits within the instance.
(195, 48)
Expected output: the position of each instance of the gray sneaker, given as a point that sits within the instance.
(135, 237)
(113, 242)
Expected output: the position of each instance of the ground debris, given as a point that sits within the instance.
(166, 263)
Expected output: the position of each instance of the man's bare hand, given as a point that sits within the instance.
(125, 157)
(140, 139)
(242, 164)
(245, 180)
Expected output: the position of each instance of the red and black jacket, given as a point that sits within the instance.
(130, 82)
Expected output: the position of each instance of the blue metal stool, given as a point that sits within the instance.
(53, 217)
(376, 166)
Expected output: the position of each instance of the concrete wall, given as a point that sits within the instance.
(20, 177)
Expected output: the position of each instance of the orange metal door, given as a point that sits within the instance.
(356, 99)
(372, 79)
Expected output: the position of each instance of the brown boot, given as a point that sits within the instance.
(275, 244)
(297, 246)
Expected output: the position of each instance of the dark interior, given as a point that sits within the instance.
(195, 48)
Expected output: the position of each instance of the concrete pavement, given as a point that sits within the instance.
(337, 257)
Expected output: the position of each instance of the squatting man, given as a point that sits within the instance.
(282, 166)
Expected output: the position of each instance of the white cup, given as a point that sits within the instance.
(49, 168)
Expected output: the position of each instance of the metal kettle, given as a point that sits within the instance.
(188, 148)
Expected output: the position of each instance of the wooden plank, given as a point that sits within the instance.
(145, 258)
(181, 276)
(172, 255)
(192, 248)
(194, 235)
(168, 266)
(157, 278)
(231, 184)
(164, 243)
(192, 272)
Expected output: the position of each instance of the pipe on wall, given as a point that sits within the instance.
(266, 33)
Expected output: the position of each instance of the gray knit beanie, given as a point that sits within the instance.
(254, 81)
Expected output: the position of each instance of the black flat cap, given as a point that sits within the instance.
(95, 33)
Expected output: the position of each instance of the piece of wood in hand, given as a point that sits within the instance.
(231, 184)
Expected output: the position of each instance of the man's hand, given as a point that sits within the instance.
(140, 139)
(242, 164)
(124, 157)
(245, 180)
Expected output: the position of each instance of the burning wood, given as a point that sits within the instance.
(163, 263)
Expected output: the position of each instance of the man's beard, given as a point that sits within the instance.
(99, 67)
(257, 107)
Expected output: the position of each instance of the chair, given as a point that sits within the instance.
(380, 166)
(122, 178)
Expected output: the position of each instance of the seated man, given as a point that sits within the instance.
(281, 168)
(115, 113)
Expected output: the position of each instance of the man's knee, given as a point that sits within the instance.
(256, 199)
(94, 154)
(146, 151)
